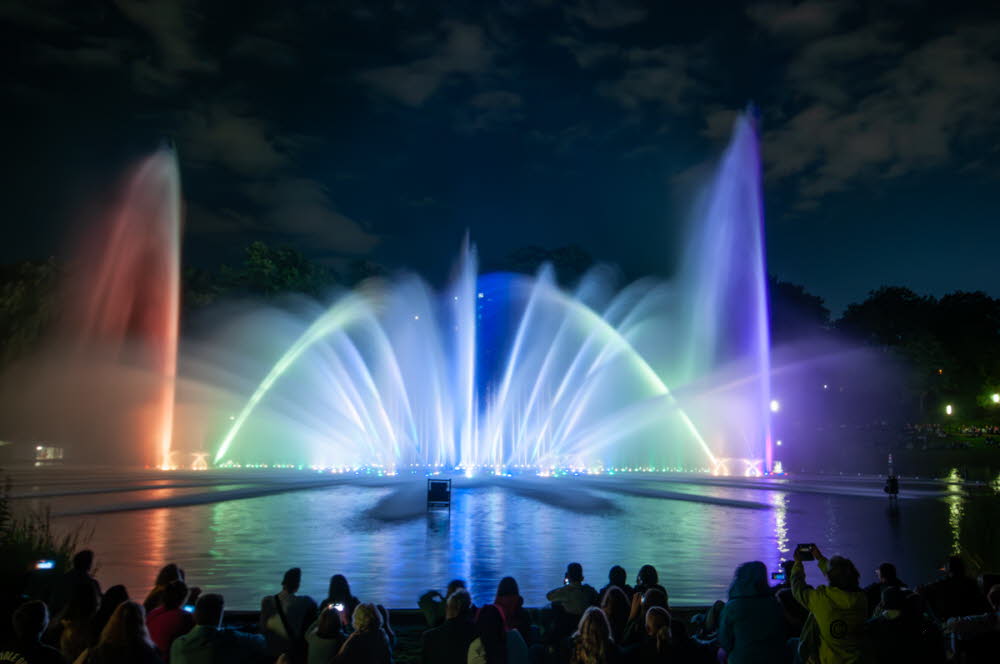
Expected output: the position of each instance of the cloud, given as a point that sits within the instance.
(461, 49)
(302, 208)
(242, 143)
(864, 105)
(798, 19)
(606, 14)
(658, 76)
(491, 109)
(173, 25)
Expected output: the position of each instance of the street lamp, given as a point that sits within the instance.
(995, 397)
(948, 409)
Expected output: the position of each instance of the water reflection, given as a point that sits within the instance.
(242, 547)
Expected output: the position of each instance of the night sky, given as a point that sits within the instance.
(386, 129)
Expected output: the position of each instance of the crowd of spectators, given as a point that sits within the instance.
(836, 621)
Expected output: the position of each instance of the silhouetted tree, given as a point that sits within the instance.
(795, 312)
(28, 304)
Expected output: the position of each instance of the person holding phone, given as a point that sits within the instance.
(839, 609)
(752, 625)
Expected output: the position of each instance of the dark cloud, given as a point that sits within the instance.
(606, 14)
(240, 142)
(456, 49)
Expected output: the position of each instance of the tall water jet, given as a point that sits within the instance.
(723, 287)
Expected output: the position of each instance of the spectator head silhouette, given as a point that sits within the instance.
(454, 585)
(617, 576)
(30, 620)
(886, 573)
(127, 625)
(574, 573)
(174, 594)
(83, 560)
(292, 580)
(593, 633)
(209, 609)
(339, 590)
(458, 604)
(168, 573)
(366, 618)
(647, 576)
(955, 566)
(508, 586)
(843, 574)
(749, 580)
(655, 597)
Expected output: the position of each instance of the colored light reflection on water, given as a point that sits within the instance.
(242, 547)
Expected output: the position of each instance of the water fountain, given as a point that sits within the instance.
(495, 373)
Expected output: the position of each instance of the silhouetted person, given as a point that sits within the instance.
(339, 592)
(574, 596)
(511, 604)
(113, 596)
(752, 625)
(73, 630)
(635, 628)
(432, 603)
(368, 643)
(896, 632)
(124, 639)
(493, 644)
(956, 594)
(168, 573)
(885, 577)
(285, 617)
(208, 643)
(840, 609)
(619, 579)
(647, 579)
(325, 636)
(29, 622)
(786, 569)
(170, 620)
(79, 573)
(616, 607)
(592, 642)
(449, 643)
(657, 642)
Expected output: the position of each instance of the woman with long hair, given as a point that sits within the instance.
(339, 593)
(124, 639)
(493, 643)
(593, 643)
(752, 624)
(616, 607)
(511, 604)
(368, 644)
(169, 572)
(657, 646)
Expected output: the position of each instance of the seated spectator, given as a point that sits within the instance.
(493, 644)
(840, 609)
(616, 608)
(619, 579)
(955, 595)
(432, 604)
(574, 596)
(325, 636)
(752, 627)
(114, 596)
(895, 634)
(29, 622)
(208, 643)
(647, 579)
(124, 639)
(285, 617)
(707, 625)
(170, 620)
(592, 642)
(635, 628)
(449, 643)
(511, 605)
(339, 592)
(168, 573)
(368, 643)
(79, 573)
(885, 577)
(657, 642)
(74, 629)
(984, 623)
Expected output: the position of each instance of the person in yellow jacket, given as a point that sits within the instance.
(839, 609)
